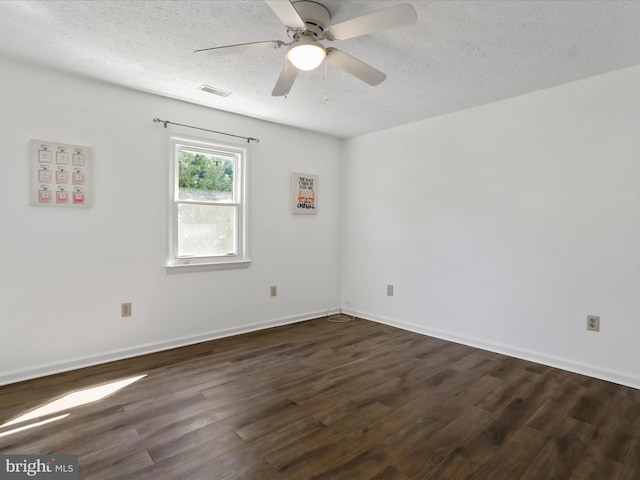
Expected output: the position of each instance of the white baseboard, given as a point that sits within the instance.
(36, 371)
(557, 362)
(114, 355)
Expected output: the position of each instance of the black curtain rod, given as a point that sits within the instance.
(166, 122)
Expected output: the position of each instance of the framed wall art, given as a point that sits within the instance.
(304, 193)
(60, 175)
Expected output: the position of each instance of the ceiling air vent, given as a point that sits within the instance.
(215, 91)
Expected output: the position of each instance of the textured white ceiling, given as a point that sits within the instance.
(460, 54)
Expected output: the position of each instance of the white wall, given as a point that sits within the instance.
(505, 225)
(65, 272)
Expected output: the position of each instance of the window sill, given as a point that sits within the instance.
(203, 267)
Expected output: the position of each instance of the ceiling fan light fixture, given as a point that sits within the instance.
(307, 54)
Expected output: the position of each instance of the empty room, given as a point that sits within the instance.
(320, 240)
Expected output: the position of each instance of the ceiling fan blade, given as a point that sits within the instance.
(285, 80)
(355, 67)
(392, 17)
(287, 13)
(242, 47)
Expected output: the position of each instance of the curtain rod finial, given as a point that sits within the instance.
(157, 120)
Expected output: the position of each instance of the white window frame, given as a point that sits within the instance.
(241, 259)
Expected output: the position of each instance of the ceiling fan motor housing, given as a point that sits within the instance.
(307, 24)
(315, 16)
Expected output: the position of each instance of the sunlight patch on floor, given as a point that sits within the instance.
(72, 400)
(32, 425)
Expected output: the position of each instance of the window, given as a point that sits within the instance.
(207, 224)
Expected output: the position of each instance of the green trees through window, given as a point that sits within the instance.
(205, 177)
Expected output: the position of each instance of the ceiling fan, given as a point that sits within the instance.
(307, 24)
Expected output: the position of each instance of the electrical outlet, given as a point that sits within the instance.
(390, 290)
(126, 309)
(593, 323)
(274, 290)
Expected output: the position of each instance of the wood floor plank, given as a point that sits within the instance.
(361, 458)
(285, 436)
(128, 463)
(389, 473)
(471, 360)
(422, 421)
(594, 404)
(555, 408)
(558, 457)
(219, 439)
(464, 460)
(523, 385)
(434, 449)
(331, 408)
(631, 467)
(353, 401)
(614, 434)
(593, 467)
(307, 457)
(513, 457)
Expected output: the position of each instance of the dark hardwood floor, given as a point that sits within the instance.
(320, 400)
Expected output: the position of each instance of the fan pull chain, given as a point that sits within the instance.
(326, 82)
(286, 76)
